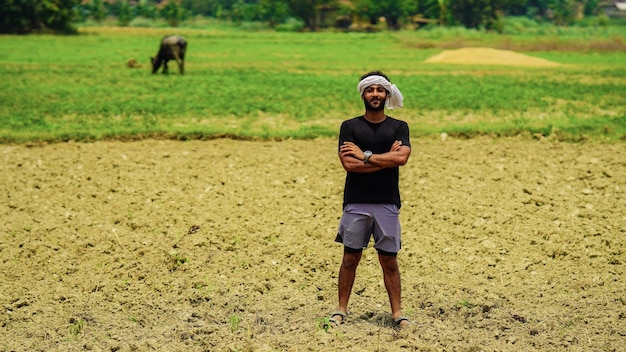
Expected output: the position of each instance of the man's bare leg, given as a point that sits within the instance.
(347, 274)
(391, 274)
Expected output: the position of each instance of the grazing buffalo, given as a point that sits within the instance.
(172, 48)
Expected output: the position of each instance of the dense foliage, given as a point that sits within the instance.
(25, 16)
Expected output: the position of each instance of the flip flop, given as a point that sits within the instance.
(334, 321)
(398, 322)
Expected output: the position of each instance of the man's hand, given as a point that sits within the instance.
(395, 146)
(352, 156)
(351, 149)
(397, 155)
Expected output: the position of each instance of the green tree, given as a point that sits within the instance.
(563, 12)
(476, 13)
(244, 11)
(515, 7)
(125, 14)
(435, 9)
(145, 9)
(27, 16)
(590, 7)
(557, 11)
(223, 9)
(97, 10)
(173, 13)
(273, 12)
(307, 11)
(201, 7)
(394, 11)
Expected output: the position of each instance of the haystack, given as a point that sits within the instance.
(488, 56)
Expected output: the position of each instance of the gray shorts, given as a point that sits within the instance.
(360, 221)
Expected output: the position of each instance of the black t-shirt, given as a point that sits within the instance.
(379, 187)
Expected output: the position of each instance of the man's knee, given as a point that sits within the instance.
(389, 263)
(387, 254)
(351, 257)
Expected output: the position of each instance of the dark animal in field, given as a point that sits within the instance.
(172, 47)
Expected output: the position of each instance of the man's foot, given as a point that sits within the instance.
(401, 322)
(337, 318)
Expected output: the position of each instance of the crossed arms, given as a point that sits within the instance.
(352, 156)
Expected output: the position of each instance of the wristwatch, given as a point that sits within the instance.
(367, 154)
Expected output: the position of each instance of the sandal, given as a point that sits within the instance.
(334, 321)
(398, 322)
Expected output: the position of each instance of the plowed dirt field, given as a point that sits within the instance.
(509, 244)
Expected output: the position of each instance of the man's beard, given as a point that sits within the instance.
(370, 107)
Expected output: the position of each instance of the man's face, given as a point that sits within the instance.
(374, 97)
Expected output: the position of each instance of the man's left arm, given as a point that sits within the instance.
(400, 150)
(398, 156)
(352, 156)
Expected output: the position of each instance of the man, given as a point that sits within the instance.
(372, 147)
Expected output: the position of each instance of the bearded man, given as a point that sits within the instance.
(372, 147)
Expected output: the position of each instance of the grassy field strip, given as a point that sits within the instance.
(291, 85)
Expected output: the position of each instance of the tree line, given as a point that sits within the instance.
(27, 16)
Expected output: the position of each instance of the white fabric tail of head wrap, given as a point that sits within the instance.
(395, 98)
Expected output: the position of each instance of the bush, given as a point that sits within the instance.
(252, 26)
(147, 23)
(199, 22)
(518, 25)
(24, 16)
(291, 25)
(593, 21)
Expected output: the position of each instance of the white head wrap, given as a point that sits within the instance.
(394, 100)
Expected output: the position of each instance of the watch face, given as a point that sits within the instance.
(367, 155)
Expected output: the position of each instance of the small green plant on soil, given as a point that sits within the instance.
(236, 240)
(465, 303)
(178, 260)
(76, 326)
(322, 324)
(234, 321)
(203, 287)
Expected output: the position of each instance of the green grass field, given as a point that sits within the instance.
(279, 85)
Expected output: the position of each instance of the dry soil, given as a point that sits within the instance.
(508, 245)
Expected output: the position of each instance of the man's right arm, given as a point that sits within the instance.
(392, 158)
(352, 158)
(350, 155)
(352, 164)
